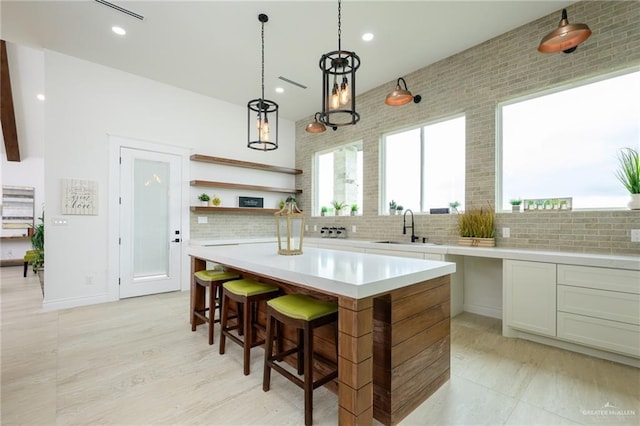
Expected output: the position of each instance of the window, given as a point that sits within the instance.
(338, 177)
(424, 168)
(565, 144)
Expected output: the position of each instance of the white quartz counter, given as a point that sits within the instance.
(355, 275)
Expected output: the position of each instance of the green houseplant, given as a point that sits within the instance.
(323, 210)
(476, 227)
(204, 199)
(392, 207)
(354, 209)
(37, 242)
(628, 174)
(454, 206)
(515, 205)
(338, 205)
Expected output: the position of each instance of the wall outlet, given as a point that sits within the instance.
(202, 219)
(306, 228)
(315, 228)
(353, 228)
(635, 235)
(506, 232)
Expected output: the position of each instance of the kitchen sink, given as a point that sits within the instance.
(404, 242)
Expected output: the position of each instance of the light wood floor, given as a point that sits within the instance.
(136, 362)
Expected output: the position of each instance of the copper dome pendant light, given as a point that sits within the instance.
(401, 96)
(339, 84)
(315, 126)
(565, 38)
(260, 131)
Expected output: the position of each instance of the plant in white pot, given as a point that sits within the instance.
(204, 199)
(629, 174)
(515, 205)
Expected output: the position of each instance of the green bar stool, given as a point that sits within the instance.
(211, 279)
(247, 294)
(304, 313)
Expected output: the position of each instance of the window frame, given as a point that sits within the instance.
(499, 141)
(382, 149)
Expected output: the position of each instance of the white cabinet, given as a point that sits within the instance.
(530, 296)
(600, 307)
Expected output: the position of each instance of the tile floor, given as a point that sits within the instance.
(136, 362)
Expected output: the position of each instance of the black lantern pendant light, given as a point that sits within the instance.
(339, 84)
(565, 38)
(401, 96)
(259, 129)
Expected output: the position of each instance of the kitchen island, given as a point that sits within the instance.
(393, 327)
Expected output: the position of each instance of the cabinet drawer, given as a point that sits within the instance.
(611, 305)
(599, 333)
(600, 278)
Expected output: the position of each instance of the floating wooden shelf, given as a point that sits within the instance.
(16, 237)
(244, 187)
(206, 209)
(246, 164)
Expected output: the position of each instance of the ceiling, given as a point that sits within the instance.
(213, 47)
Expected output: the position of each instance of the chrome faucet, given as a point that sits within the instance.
(413, 226)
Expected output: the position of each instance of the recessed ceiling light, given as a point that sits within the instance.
(118, 30)
(367, 36)
(40, 97)
(279, 90)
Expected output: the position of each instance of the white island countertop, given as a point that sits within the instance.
(355, 275)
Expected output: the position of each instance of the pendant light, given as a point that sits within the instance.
(262, 133)
(339, 84)
(315, 126)
(565, 38)
(401, 96)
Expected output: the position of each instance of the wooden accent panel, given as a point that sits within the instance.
(251, 210)
(411, 355)
(227, 185)
(245, 164)
(7, 112)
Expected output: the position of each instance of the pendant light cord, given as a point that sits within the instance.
(339, 25)
(262, 63)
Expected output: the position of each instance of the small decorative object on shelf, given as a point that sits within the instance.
(216, 201)
(629, 175)
(204, 199)
(399, 209)
(337, 206)
(251, 202)
(323, 210)
(392, 207)
(290, 228)
(454, 206)
(515, 205)
(354, 209)
(548, 204)
(476, 227)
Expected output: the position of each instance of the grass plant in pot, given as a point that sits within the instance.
(338, 206)
(629, 174)
(476, 227)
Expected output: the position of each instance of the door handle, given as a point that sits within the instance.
(177, 240)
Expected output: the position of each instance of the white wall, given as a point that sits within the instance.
(85, 103)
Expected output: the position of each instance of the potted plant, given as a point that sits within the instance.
(547, 204)
(323, 210)
(37, 242)
(454, 206)
(392, 207)
(204, 199)
(515, 205)
(338, 205)
(629, 174)
(476, 227)
(531, 205)
(399, 209)
(354, 209)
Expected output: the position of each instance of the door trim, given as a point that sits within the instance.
(116, 142)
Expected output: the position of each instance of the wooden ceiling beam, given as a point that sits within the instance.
(7, 113)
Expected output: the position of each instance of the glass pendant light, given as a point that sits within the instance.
(339, 84)
(260, 135)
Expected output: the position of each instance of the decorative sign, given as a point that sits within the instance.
(79, 197)
(254, 202)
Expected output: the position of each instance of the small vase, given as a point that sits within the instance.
(204, 203)
(392, 212)
(634, 204)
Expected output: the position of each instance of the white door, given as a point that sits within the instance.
(150, 233)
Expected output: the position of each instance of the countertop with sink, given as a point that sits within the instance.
(584, 259)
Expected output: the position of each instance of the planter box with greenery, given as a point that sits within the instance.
(476, 227)
(629, 174)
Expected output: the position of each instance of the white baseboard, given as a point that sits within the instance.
(486, 311)
(55, 305)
